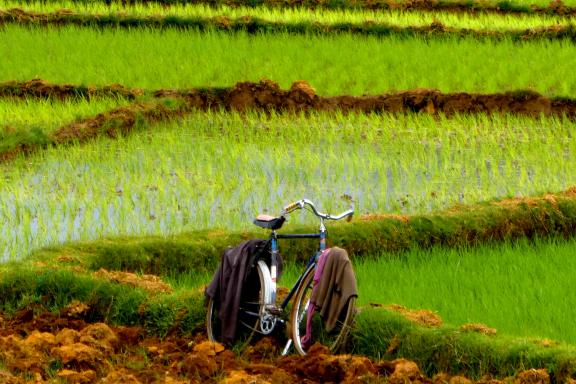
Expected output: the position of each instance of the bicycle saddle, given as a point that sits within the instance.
(269, 222)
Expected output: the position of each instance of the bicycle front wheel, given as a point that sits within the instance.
(249, 312)
(303, 338)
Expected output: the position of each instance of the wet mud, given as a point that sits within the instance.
(41, 89)
(266, 95)
(41, 347)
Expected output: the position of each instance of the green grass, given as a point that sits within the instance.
(299, 15)
(520, 289)
(382, 334)
(219, 170)
(342, 64)
(117, 304)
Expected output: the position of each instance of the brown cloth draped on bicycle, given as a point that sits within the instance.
(229, 283)
(335, 287)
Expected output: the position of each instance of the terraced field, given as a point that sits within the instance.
(137, 141)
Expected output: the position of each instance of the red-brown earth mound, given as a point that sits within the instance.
(40, 347)
(267, 96)
(38, 88)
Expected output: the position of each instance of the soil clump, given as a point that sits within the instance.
(41, 89)
(46, 346)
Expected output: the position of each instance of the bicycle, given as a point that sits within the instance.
(259, 312)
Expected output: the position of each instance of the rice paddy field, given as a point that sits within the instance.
(222, 168)
(136, 183)
(300, 15)
(333, 65)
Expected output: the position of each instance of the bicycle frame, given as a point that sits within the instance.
(274, 263)
(270, 312)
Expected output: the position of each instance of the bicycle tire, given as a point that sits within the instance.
(251, 306)
(336, 339)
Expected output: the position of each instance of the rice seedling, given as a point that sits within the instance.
(303, 15)
(219, 170)
(47, 115)
(341, 64)
(520, 6)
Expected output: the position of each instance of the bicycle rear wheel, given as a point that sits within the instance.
(336, 338)
(251, 306)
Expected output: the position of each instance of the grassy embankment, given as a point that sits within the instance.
(521, 290)
(300, 25)
(188, 59)
(178, 14)
(219, 170)
(54, 277)
(474, 6)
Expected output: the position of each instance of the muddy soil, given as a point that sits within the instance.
(42, 347)
(41, 89)
(266, 96)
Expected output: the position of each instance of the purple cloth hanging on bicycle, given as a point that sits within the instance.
(227, 284)
(307, 339)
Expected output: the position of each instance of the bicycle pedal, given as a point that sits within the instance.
(276, 311)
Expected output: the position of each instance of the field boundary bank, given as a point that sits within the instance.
(78, 325)
(71, 271)
(40, 89)
(254, 25)
(546, 216)
(504, 7)
(266, 96)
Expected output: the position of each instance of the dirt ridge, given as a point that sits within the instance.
(267, 96)
(251, 24)
(44, 345)
(42, 89)
(555, 7)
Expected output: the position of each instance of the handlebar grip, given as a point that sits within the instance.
(292, 207)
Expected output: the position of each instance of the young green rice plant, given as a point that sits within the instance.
(146, 7)
(170, 58)
(21, 115)
(303, 15)
(220, 169)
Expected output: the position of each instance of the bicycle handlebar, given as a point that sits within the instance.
(326, 216)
